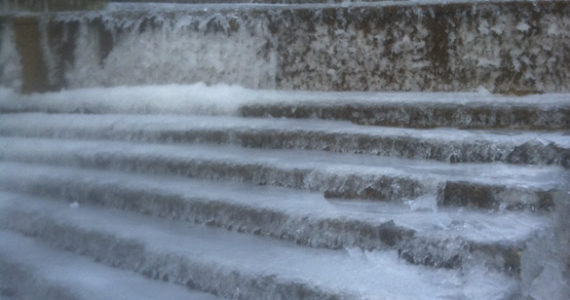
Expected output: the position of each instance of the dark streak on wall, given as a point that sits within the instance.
(28, 44)
(62, 38)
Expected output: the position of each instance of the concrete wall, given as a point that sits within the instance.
(27, 38)
(515, 47)
(505, 47)
(53, 5)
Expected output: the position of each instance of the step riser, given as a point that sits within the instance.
(457, 253)
(173, 267)
(132, 255)
(467, 194)
(424, 116)
(18, 283)
(398, 146)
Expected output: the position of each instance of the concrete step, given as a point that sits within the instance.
(31, 270)
(399, 109)
(238, 266)
(449, 145)
(490, 186)
(440, 238)
(424, 115)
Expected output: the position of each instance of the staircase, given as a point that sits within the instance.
(222, 192)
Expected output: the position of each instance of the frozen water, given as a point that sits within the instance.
(377, 273)
(38, 271)
(369, 275)
(546, 263)
(476, 226)
(226, 99)
(241, 57)
(322, 167)
(148, 127)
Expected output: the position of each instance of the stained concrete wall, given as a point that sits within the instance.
(27, 37)
(515, 47)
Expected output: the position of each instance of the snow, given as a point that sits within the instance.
(195, 99)
(523, 26)
(553, 29)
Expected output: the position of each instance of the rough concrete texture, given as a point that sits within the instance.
(515, 47)
(421, 115)
(506, 47)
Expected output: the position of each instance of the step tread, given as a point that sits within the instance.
(374, 275)
(125, 126)
(474, 226)
(428, 172)
(441, 144)
(78, 276)
(222, 99)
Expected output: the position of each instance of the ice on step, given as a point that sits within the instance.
(475, 226)
(226, 99)
(33, 270)
(318, 166)
(370, 275)
(146, 127)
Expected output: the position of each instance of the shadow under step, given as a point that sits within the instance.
(232, 265)
(448, 145)
(31, 270)
(446, 238)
